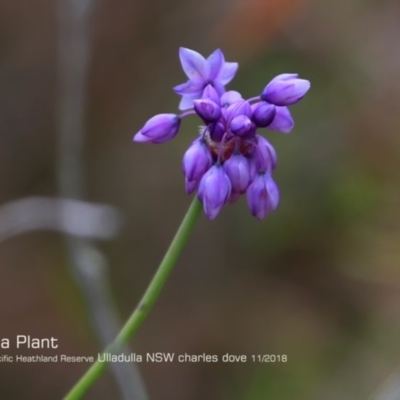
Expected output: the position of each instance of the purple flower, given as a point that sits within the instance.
(238, 170)
(214, 190)
(217, 131)
(211, 94)
(230, 97)
(196, 161)
(283, 121)
(240, 107)
(241, 125)
(201, 72)
(159, 129)
(285, 89)
(228, 158)
(207, 110)
(252, 167)
(191, 186)
(262, 195)
(263, 114)
(264, 155)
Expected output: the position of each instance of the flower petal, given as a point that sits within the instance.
(283, 121)
(227, 72)
(190, 186)
(215, 63)
(196, 160)
(238, 170)
(187, 102)
(262, 196)
(193, 63)
(210, 93)
(230, 97)
(214, 190)
(207, 110)
(273, 191)
(140, 138)
(219, 87)
(191, 87)
(285, 77)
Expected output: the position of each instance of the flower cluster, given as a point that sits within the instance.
(228, 158)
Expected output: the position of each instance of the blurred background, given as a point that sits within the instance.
(319, 280)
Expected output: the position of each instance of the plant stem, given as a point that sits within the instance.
(145, 304)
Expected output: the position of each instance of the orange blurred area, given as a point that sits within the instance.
(250, 25)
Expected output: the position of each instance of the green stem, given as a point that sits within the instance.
(145, 304)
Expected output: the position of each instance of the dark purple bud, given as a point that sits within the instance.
(214, 190)
(207, 110)
(241, 125)
(264, 155)
(262, 195)
(196, 160)
(238, 170)
(283, 121)
(217, 131)
(285, 89)
(159, 129)
(230, 97)
(211, 94)
(263, 114)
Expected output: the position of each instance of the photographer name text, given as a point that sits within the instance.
(149, 357)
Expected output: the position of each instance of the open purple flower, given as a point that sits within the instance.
(201, 72)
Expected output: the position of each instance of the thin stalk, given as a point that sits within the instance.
(145, 304)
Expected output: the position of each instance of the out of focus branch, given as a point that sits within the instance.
(88, 264)
(72, 217)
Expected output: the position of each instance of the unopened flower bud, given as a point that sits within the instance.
(263, 114)
(159, 129)
(238, 170)
(196, 160)
(211, 94)
(214, 190)
(285, 89)
(241, 125)
(207, 110)
(264, 155)
(262, 195)
(217, 131)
